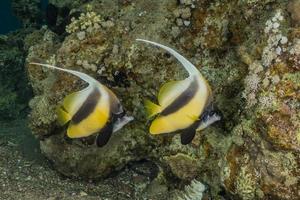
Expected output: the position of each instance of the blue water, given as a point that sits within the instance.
(8, 22)
(44, 4)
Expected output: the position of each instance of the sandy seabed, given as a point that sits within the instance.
(26, 174)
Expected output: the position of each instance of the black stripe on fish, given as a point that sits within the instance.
(87, 107)
(104, 134)
(183, 99)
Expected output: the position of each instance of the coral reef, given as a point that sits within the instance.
(249, 52)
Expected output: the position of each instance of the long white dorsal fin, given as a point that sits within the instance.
(90, 80)
(190, 68)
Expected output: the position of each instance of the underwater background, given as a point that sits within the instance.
(10, 23)
(248, 50)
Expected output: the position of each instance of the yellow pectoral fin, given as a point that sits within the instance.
(151, 108)
(62, 116)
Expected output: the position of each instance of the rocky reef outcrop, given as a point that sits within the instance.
(249, 51)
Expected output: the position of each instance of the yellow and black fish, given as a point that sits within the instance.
(185, 105)
(95, 109)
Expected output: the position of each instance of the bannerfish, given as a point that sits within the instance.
(95, 109)
(184, 106)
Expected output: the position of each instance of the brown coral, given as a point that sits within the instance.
(293, 8)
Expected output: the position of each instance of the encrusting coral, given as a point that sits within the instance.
(86, 22)
(249, 54)
(194, 191)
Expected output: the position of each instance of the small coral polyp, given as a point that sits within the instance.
(245, 184)
(276, 43)
(86, 22)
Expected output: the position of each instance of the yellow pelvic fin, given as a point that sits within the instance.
(152, 108)
(62, 116)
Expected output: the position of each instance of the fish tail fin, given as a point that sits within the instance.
(80, 75)
(62, 116)
(152, 108)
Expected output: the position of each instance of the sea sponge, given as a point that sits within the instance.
(183, 166)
